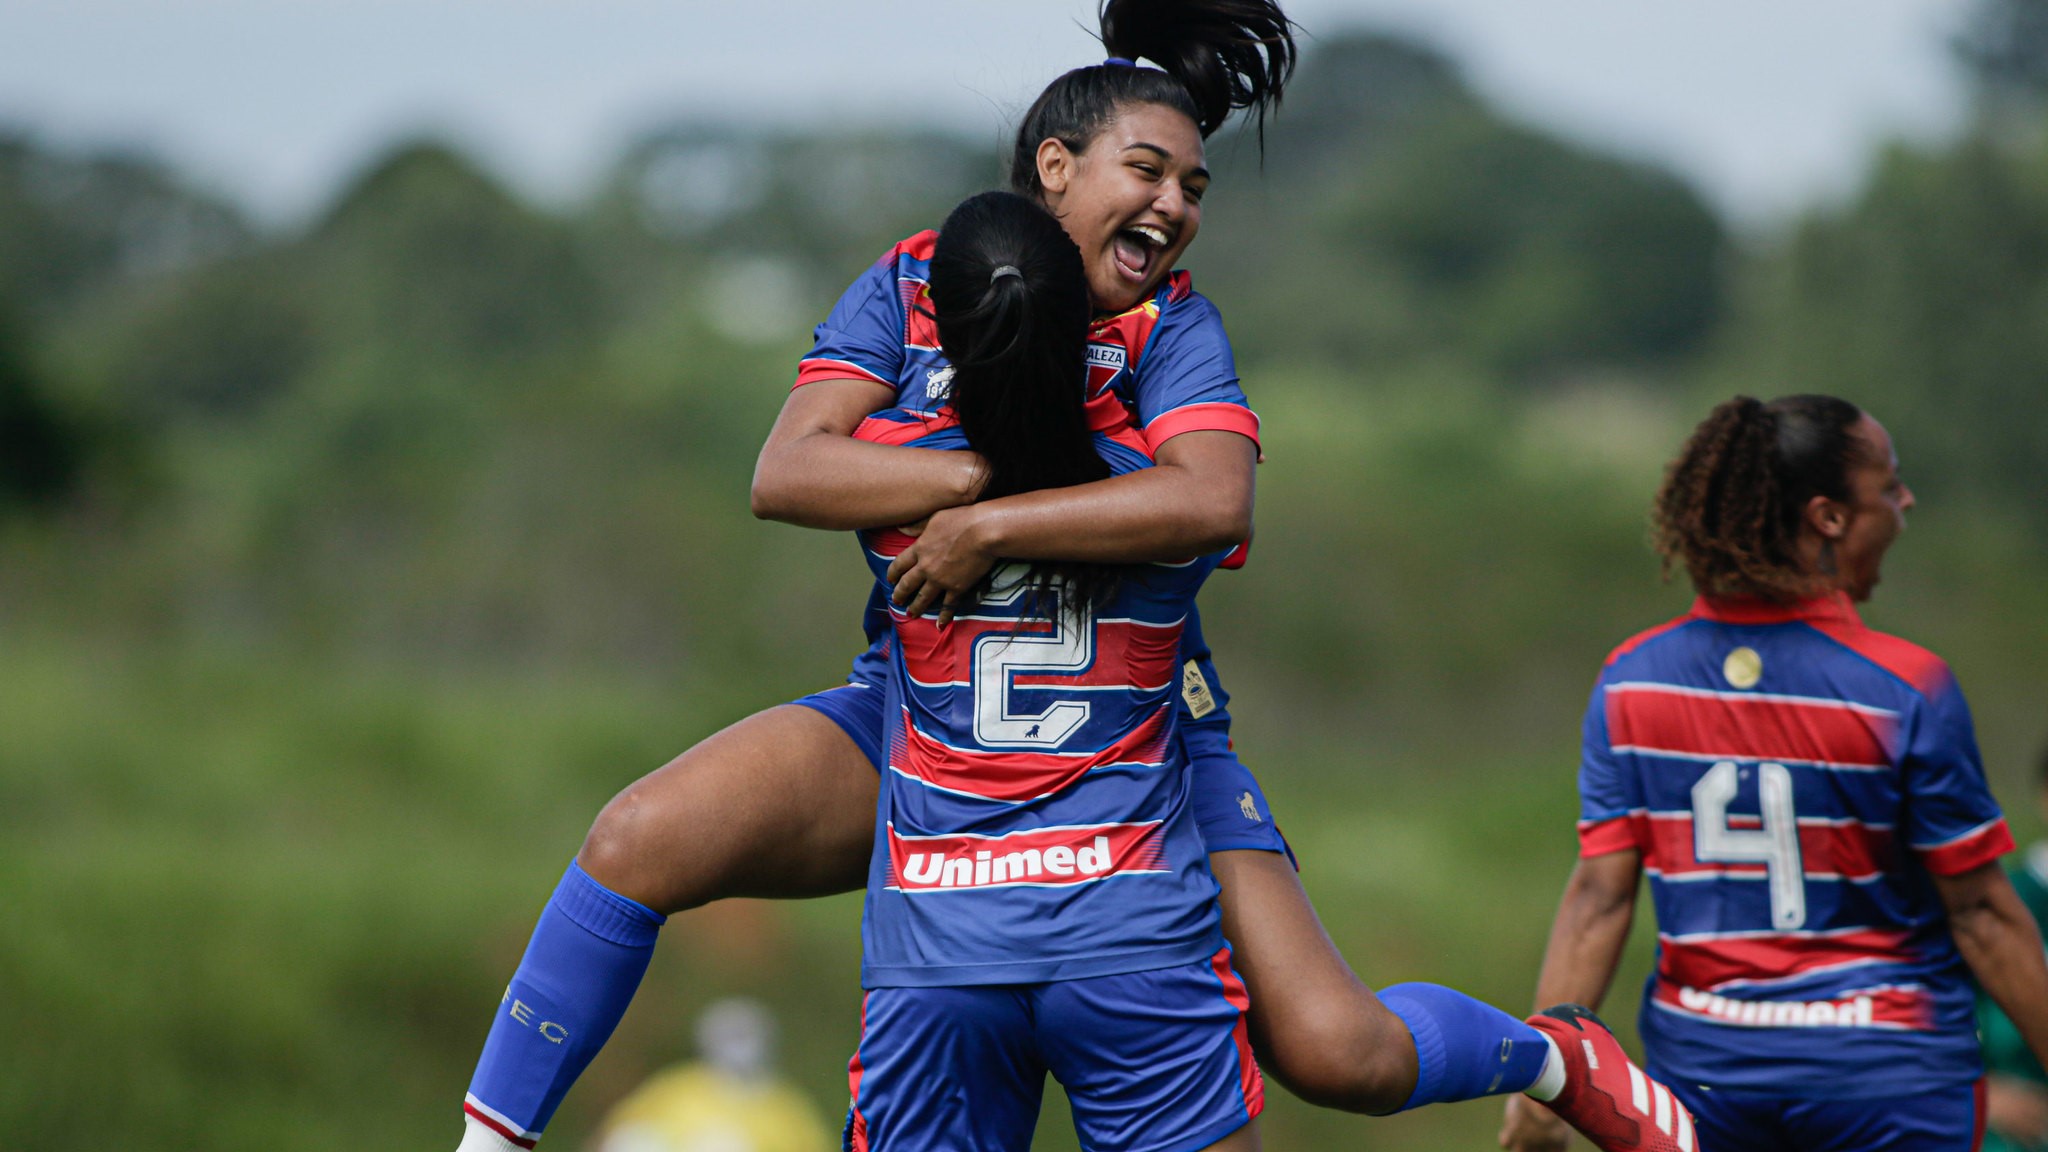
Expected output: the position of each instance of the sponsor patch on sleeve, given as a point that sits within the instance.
(1194, 689)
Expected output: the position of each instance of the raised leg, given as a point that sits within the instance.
(781, 804)
(1320, 1031)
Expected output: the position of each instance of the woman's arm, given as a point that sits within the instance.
(1578, 966)
(812, 472)
(1197, 498)
(1592, 925)
(1999, 940)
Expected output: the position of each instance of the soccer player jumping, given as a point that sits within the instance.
(1807, 799)
(783, 803)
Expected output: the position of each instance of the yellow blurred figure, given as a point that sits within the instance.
(729, 1101)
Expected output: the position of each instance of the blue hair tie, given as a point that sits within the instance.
(1120, 62)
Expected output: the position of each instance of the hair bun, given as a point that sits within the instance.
(1229, 54)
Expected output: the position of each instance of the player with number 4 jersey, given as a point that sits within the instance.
(1806, 797)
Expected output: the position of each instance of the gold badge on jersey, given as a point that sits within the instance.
(1743, 668)
(1195, 690)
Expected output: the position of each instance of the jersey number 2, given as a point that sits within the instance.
(1775, 845)
(1000, 658)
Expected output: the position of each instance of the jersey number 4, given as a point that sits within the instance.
(1775, 844)
(1000, 658)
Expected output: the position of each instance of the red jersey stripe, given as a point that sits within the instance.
(876, 430)
(1128, 654)
(1018, 776)
(1710, 963)
(812, 371)
(1251, 1083)
(857, 1122)
(1846, 848)
(1641, 638)
(1213, 417)
(1657, 718)
(1603, 837)
(1973, 849)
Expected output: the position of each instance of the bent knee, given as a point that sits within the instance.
(622, 852)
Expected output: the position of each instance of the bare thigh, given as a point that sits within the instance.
(781, 804)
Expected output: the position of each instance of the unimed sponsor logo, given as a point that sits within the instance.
(1848, 1012)
(1042, 857)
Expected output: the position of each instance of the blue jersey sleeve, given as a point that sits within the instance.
(863, 336)
(1203, 702)
(1186, 377)
(871, 667)
(1610, 792)
(1950, 820)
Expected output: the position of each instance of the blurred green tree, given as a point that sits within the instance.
(1925, 299)
(2003, 47)
(426, 259)
(1400, 217)
(41, 452)
(70, 226)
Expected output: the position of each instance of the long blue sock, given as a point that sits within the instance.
(1465, 1049)
(580, 971)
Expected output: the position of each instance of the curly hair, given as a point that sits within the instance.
(1731, 503)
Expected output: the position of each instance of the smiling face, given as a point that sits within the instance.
(1131, 199)
(1863, 527)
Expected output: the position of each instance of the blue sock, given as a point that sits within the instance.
(580, 971)
(1464, 1049)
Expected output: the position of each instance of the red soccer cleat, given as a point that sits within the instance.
(1606, 1097)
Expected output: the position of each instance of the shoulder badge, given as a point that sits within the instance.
(1195, 691)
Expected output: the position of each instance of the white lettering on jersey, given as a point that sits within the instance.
(1848, 1012)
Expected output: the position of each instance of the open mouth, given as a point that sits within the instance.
(1137, 248)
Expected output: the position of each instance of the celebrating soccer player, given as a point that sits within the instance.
(1806, 796)
(783, 803)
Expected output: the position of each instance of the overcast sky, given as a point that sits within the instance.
(1765, 104)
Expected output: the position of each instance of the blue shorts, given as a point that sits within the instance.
(1943, 1119)
(1152, 1062)
(1229, 806)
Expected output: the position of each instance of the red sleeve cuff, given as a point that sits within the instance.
(1973, 849)
(1213, 417)
(1601, 837)
(812, 371)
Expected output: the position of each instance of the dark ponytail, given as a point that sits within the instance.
(1218, 56)
(1013, 309)
(1732, 502)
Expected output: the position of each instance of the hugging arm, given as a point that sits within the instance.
(1196, 499)
(814, 474)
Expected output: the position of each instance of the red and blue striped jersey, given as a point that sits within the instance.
(1034, 822)
(1165, 364)
(1164, 367)
(1792, 780)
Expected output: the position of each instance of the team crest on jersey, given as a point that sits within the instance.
(938, 383)
(1743, 668)
(1105, 361)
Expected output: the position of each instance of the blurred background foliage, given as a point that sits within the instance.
(345, 571)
